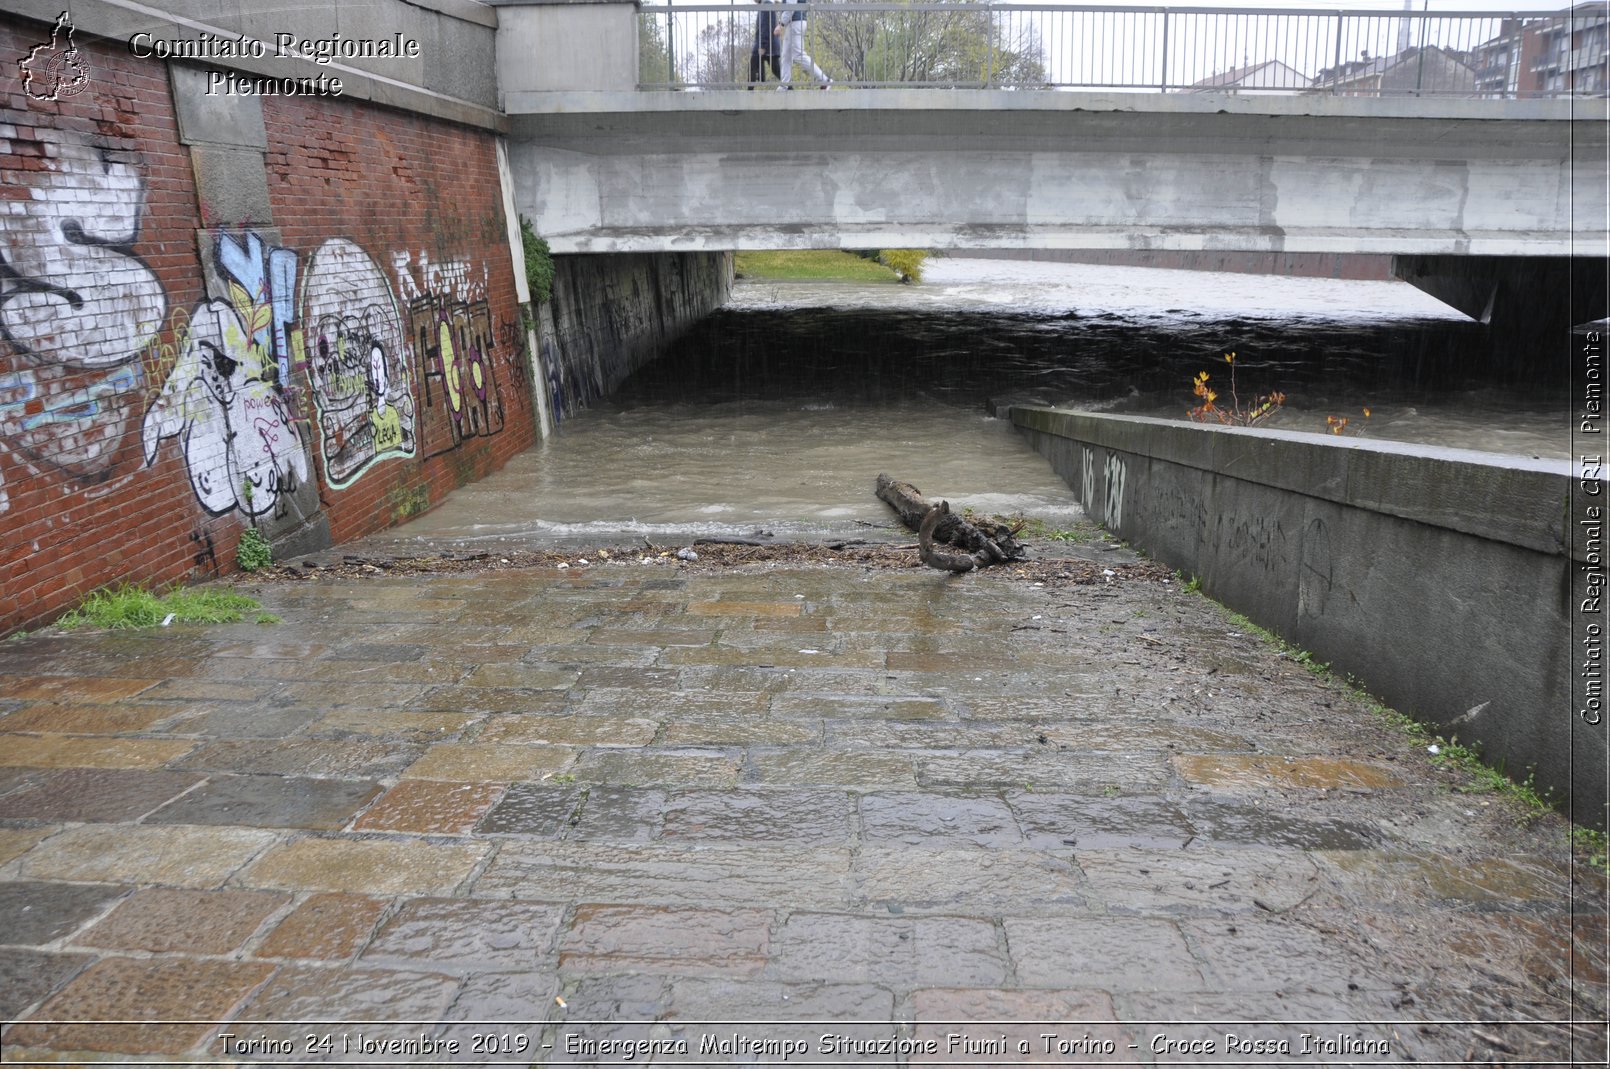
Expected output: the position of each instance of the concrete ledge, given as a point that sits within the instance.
(1441, 579)
(1585, 111)
(1511, 499)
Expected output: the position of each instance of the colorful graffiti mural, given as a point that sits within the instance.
(77, 308)
(357, 362)
(450, 329)
(222, 401)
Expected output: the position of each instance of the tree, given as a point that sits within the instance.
(721, 55)
(653, 53)
(965, 44)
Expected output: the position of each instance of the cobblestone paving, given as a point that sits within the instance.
(567, 816)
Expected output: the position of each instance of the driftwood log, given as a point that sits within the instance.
(974, 545)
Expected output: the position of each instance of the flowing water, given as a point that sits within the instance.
(777, 413)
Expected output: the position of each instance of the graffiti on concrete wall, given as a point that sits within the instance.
(1117, 474)
(77, 307)
(357, 362)
(449, 325)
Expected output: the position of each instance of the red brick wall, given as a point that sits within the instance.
(420, 199)
(110, 428)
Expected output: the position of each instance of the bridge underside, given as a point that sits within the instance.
(644, 172)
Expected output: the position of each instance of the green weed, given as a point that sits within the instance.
(130, 606)
(1592, 847)
(538, 263)
(253, 552)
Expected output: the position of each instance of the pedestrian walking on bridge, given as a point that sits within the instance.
(791, 20)
(768, 44)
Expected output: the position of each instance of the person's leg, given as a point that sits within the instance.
(757, 67)
(810, 66)
(792, 39)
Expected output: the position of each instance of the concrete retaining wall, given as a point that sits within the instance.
(1441, 579)
(610, 315)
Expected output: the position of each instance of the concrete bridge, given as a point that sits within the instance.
(601, 166)
(612, 171)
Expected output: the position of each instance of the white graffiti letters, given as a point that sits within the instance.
(1113, 511)
(71, 290)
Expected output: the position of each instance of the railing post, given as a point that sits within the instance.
(1163, 85)
(1336, 70)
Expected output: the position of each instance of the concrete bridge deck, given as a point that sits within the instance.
(925, 168)
(608, 803)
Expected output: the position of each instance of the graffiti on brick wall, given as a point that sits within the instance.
(77, 308)
(222, 401)
(357, 362)
(261, 277)
(449, 325)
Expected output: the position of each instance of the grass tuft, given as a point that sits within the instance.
(130, 606)
(813, 264)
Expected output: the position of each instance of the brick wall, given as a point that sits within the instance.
(169, 375)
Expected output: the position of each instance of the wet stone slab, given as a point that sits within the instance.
(328, 927)
(34, 912)
(1094, 823)
(382, 1004)
(567, 730)
(168, 856)
(755, 815)
(352, 759)
(1090, 826)
(1234, 771)
(152, 990)
(373, 866)
(908, 951)
(689, 942)
(270, 802)
(1101, 953)
(95, 795)
(455, 935)
(937, 820)
(430, 807)
(533, 809)
(618, 814)
(694, 768)
(1200, 881)
(978, 1026)
(782, 876)
(162, 920)
(900, 880)
(27, 976)
(121, 718)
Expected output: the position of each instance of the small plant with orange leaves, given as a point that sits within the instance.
(1339, 424)
(1262, 407)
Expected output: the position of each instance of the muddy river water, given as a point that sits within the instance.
(777, 413)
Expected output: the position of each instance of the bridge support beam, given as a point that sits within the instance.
(1530, 303)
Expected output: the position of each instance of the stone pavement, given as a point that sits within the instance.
(574, 816)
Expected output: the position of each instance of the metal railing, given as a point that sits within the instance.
(962, 44)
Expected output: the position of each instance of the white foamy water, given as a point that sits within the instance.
(956, 283)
